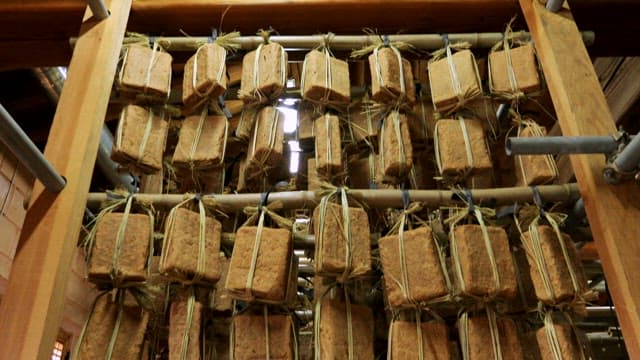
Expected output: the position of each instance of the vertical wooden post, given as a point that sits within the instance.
(31, 310)
(613, 211)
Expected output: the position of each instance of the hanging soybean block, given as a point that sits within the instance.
(391, 77)
(267, 142)
(246, 123)
(484, 343)
(252, 332)
(264, 74)
(364, 124)
(474, 268)
(419, 253)
(140, 138)
(128, 338)
(423, 172)
(395, 147)
(521, 63)
(205, 75)
(202, 142)
(184, 244)
(434, 338)
(548, 265)
(331, 252)
(423, 121)
(129, 265)
(306, 117)
(461, 147)
(534, 169)
(564, 336)
(363, 172)
(221, 299)
(334, 331)
(328, 145)
(146, 72)
(185, 323)
(325, 79)
(454, 79)
(269, 281)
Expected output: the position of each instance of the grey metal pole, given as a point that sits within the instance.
(561, 145)
(629, 159)
(554, 5)
(99, 9)
(21, 146)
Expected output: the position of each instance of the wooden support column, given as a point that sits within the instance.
(31, 310)
(613, 211)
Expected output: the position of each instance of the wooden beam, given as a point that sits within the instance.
(623, 90)
(582, 109)
(31, 310)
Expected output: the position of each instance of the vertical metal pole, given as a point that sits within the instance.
(99, 9)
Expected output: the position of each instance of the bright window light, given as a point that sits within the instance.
(290, 119)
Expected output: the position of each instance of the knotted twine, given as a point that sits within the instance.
(493, 330)
(508, 38)
(255, 95)
(156, 48)
(139, 160)
(403, 161)
(418, 321)
(317, 320)
(552, 337)
(467, 146)
(186, 339)
(536, 130)
(258, 166)
(196, 142)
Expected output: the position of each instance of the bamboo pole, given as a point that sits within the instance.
(373, 198)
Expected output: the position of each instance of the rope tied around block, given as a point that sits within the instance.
(404, 163)
(317, 320)
(138, 162)
(522, 124)
(468, 151)
(553, 341)
(144, 41)
(494, 331)
(259, 166)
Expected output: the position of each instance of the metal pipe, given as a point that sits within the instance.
(554, 5)
(561, 145)
(629, 159)
(373, 198)
(29, 155)
(604, 312)
(99, 9)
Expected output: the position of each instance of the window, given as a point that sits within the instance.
(57, 351)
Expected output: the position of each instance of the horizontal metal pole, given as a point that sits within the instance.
(349, 42)
(373, 198)
(99, 9)
(561, 145)
(28, 154)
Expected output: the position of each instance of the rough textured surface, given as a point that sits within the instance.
(389, 89)
(250, 337)
(129, 339)
(333, 331)
(423, 121)
(435, 341)
(269, 72)
(131, 130)
(556, 266)
(246, 123)
(533, 169)
(364, 125)
(132, 261)
(263, 154)
(484, 180)
(452, 147)
(424, 170)
(306, 117)
(484, 109)
(525, 69)
(272, 265)
(138, 63)
(526, 299)
(394, 166)
(475, 264)
(480, 339)
(178, 327)
(421, 256)
(569, 345)
(183, 242)
(334, 242)
(315, 79)
(443, 92)
(221, 299)
(210, 64)
(313, 179)
(209, 150)
(363, 172)
(328, 150)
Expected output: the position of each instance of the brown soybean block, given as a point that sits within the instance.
(212, 181)
(246, 123)
(333, 331)
(316, 82)
(569, 346)
(129, 339)
(269, 72)
(533, 169)
(480, 181)
(556, 266)
(132, 261)
(334, 242)
(421, 257)
(272, 264)
(452, 147)
(525, 69)
(328, 145)
(422, 175)
(485, 110)
(139, 62)
(480, 341)
(475, 263)
(423, 121)
(313, 178)
(183, 241)
(211, 143)
(152, 183)
(178, 328)
(526, 299)
(362, 172)
(420, 71)
(390, 88)
(250, 337)
(221, 299)
(443, 93)
(306, 117)
(209, 75)
(130, 134)
(266, 148)
(435, 341)
(363, 124)
(393, 146)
